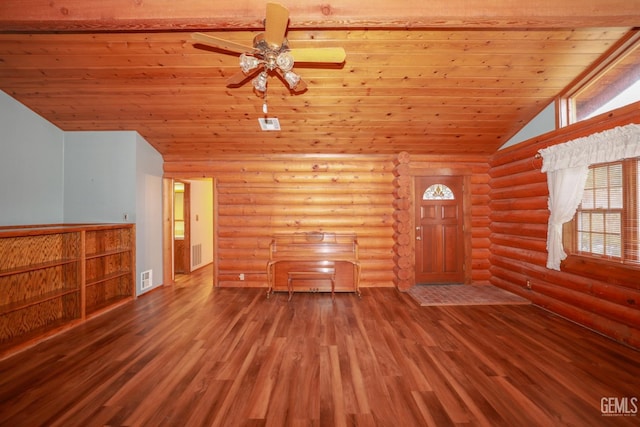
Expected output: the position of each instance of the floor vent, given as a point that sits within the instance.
(146, 279)
(196, 255)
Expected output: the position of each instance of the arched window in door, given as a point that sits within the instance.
(438, 192)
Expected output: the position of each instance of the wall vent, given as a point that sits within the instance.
(270, 123)
(146, 279)
(196, 255)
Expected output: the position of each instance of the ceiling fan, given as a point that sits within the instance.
(271, 54)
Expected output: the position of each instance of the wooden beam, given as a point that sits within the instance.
(135, 15)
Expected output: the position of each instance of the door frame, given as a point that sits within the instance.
(168, 274)
(465, 173)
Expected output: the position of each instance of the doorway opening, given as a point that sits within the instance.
(189, 226)
(181, 227)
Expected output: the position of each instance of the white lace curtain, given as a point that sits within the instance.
(567, 167)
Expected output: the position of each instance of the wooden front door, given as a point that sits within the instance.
(439, 229)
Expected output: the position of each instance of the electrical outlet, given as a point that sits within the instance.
(125, 217)
(528, 284)
(241, 276)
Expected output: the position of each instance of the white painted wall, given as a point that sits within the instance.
(31, 166)
(99, 177)
(149, 173)
(202, 219)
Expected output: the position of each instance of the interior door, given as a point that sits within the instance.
(439, 229)
(181, 224)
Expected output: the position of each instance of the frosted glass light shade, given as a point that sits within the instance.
(260, 82)
(292, 79)
(248, 63)
(285, 61)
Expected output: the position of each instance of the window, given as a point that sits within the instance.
(614, 83)
(438, 192)
(178, 213)
(606, 223)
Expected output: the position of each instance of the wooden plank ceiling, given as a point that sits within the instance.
(435, 78)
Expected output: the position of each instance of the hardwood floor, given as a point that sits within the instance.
(195, 355)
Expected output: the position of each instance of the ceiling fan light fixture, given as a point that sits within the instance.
(248, 63)
(260, 82)
(285, 61)
(292, 79)
(271, 54)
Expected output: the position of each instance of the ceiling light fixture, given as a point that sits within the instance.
(248, 63)
(279, 60)
(292, 79)
(270, 54)
(260, 82)
(285, 60)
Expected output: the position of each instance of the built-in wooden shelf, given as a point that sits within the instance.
(107, 253)
(55, 276)
(108, 277)
(41, 266)
(47, 296)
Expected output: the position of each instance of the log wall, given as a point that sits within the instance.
(257, 197)
(600, 297)
(476, 205)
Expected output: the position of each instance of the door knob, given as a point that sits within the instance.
(418, 238)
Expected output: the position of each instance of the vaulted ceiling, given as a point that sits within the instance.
(435, 77)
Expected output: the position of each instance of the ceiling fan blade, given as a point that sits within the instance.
(301, 86)
(319, 54)
(238, 78)
(276, 24)
(221, 43)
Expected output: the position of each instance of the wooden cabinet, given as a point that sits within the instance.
(54, 276)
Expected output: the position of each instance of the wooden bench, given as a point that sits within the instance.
(314, 262)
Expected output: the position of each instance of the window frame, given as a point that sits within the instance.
(630, 222)
(564, 101)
